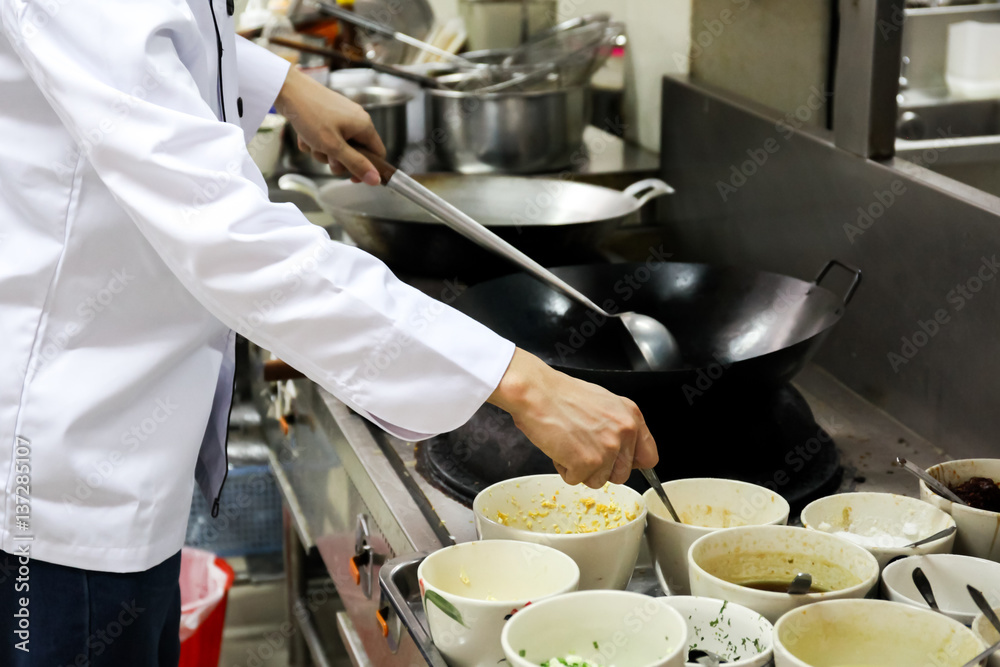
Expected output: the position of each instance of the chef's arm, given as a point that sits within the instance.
(591, 434)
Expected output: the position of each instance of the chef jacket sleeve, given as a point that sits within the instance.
(119, 75)
(261, 76)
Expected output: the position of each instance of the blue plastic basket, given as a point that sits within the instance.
(249, 520)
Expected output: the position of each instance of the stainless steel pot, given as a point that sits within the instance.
(554, 221)
(386, 106)
(507, 132)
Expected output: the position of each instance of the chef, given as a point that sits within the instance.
(136, 239)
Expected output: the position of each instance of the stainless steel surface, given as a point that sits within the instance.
(937, 118)
(924, 588)
(657, 486)
(295, 576)
(508, 132)
(399, 583)
(387, 108)
(292, 507)
(921, 238)
(867, 77)
(657, 348)
(414, 17)
(801, 584)
(935, 485)
(932, 538)
(352, 641)
(925, 40)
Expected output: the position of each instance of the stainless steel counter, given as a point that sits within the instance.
(353, 491)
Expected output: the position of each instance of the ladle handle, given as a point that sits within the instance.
(402, 183)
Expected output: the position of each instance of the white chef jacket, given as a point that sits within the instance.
(135, 236)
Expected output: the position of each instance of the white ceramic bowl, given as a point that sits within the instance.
(469, 589)
(740, 635)
(977, 529)
(721, 561)
(617, 628)
(883, 523)
(705, 505)
(948, 574)
(606, 557)
(988, 635)
(841, 633)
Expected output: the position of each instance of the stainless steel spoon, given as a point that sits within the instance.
(984, 606)
(801, 584)
(931, 538)
(983, 655)
(706, 658)
(654, 481)
(654, 347)
(924, 588)
(935, 485)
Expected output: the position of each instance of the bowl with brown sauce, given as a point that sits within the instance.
(975, 482)
(754, 565)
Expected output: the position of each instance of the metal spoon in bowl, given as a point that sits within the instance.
(706, 658)
(931, 538)
(801, 584)
(983, 655)
(936, 486)
(984, 606)
(654, 347)
(924, 588)
(654, 481)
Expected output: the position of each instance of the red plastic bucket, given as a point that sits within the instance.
(204, 577)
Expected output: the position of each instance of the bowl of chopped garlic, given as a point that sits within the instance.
(600, 529)
(597, 629)
(470, 590)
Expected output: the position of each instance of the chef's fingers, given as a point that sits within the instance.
(646, 454)
(622, 468)
(561, 469)
(358, 165)
(368, 137)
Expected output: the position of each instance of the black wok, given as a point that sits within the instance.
(739, 330)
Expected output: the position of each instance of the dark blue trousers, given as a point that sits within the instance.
(67, 617)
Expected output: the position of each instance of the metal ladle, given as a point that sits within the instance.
(924, 588)
(654, 346)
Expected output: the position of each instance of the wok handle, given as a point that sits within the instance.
(847, 267)
(652, 187)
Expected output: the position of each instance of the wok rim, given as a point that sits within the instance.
(630, 204)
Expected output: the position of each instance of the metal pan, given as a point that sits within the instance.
(553, 221)
(739, 330)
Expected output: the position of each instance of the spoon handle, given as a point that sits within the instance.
(982, 656)
(931, 538)
(984, 606)
(654, 481)
(924, 588)
(935, 485)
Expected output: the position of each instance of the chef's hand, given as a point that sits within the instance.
(325, 121)
(592, 435)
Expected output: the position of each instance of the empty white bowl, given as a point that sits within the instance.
(617, 628)
(545, 510)
(723, 562)
(739, 635)
(987, 634)
(469, 590)
(948, 575)
(704, 505)
(977, 529)
(843, 633)
(883, 523)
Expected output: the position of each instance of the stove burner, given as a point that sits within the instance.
(772, 440)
